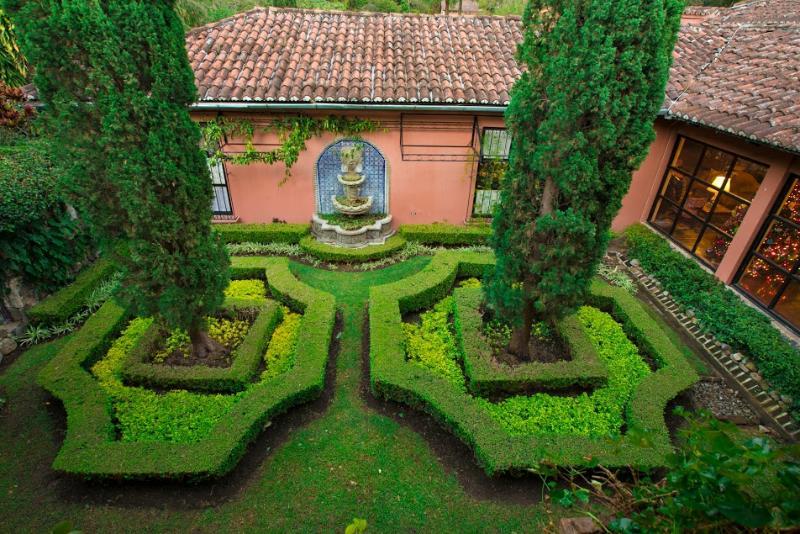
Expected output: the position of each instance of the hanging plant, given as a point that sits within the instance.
(293, 132)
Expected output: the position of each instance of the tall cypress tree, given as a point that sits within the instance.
(581, 117)
(117, 82)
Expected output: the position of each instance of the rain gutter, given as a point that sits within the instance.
(343, 106)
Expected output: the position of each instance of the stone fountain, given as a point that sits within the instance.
(352, 203)
(352, 178)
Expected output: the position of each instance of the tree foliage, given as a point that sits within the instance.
(581, 119)
(117, 82)
(13, 67)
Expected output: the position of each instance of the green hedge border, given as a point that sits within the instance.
(325, 252)
(262, 233)
(71, 299)
(139, 370)
(446, 234)
(89, 448)
(497, 451)
(719, 310)
(484, 377)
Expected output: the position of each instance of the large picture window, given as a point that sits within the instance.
(770, 274)
(704, 197)
(492, 165)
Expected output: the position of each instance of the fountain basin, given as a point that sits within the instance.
(333, 234)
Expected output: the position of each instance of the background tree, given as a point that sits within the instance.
(117, 82)
(581, 119)
(13, 67)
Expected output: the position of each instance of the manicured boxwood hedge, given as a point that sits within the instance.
(484, 377)
(66, 302)
(90, 449)
(262, 233)
(330, 253)
(646, 443)
(138, 368)
(719, 310)
(446, 234)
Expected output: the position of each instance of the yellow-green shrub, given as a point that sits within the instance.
(280, 353)
(246, 289)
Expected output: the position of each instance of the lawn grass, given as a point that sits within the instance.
(351, 462)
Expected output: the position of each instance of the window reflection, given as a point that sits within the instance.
(704, 197)
(770, 274)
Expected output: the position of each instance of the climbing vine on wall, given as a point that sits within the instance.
(293, 132)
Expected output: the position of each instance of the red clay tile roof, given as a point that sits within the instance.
(288, 55)
(738, 71)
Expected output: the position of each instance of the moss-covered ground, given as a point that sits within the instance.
(352, 461)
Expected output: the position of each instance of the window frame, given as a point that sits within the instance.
(217, 186)
(791, 275)
(692, 179)
(483, 158)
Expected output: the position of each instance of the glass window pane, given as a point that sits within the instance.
(781, 244)
(496, 143)
(746, 178)
(790, 208)
(728, 214)
(675, 186)
(714, 166)
(700, 199)
(664, 215)
(687, 155)
(761, 280)
(788, 304)
(686, 230)
(712, 246)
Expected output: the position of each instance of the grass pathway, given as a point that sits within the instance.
(351, 462)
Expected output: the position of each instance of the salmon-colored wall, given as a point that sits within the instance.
(647, 179)
(430, 178)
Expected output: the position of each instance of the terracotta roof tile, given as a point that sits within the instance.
(737, 69)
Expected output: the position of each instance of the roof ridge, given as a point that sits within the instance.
(207, 25)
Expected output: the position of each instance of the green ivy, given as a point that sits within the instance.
(293, 132)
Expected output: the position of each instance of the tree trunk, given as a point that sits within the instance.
(203, 344)
(521, 334)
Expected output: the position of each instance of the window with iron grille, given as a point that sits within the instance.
(221, 202)
(492, 165)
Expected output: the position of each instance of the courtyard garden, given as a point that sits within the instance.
(536, 374)
(373, 389)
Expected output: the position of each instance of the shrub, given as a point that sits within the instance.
(330, 253)
(39, 240)
(139, 369)
(63, 304)
(90, 448)
(484, 376)
(143, 415)
(281, 350)
(446, 234)
(392, 376)
(719, 310)
(596, 414)
(431, 344)
(246, 289)
(262, 233)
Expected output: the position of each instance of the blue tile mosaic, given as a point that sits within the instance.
(329, 167)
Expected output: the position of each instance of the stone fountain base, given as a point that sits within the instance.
(371, 234)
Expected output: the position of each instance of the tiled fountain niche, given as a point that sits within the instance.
(351, 179)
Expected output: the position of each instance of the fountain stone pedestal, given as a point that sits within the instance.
(351, 204)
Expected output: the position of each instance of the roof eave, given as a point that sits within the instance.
(343, 106)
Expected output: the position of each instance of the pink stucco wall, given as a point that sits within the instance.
(431, 175)
(432, 161)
